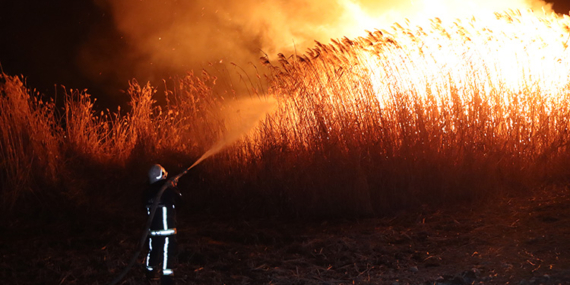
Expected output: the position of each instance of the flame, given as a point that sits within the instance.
(358, 16)
(514, 67)
(518, 52)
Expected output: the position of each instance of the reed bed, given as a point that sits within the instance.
(454, 112)
(29, 151)
(451, 113)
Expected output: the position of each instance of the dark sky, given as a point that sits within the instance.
(44, 41)
(41, 40)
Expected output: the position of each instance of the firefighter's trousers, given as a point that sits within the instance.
(161, 255)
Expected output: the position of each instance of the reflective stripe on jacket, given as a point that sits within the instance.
(164, 223)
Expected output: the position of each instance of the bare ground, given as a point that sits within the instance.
(524, 240)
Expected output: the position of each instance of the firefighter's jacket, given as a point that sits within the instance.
(164, 221)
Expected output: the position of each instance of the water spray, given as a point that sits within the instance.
(250, 113)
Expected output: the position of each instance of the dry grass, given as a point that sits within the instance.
(440, 115)
(437, 115)
(29, 148)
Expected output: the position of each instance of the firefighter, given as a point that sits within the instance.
(162, 236)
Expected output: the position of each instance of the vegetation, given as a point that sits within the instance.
(440, 115)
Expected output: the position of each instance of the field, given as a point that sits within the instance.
(384, 131)
(513, 241)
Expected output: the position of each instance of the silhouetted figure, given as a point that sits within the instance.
(162, 245)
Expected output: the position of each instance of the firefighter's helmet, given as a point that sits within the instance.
(157, 173)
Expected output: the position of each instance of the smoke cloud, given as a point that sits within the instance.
(157, 38)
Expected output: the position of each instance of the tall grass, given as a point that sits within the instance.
(87, 157)
(445, 114)
(29, 149)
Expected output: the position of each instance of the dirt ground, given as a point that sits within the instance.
(523, 240)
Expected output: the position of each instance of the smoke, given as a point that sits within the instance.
(155, 39)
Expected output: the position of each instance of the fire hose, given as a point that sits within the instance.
(170, 182)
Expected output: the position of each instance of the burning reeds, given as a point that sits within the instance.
(439, 114)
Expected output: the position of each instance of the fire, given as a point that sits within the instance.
(357, 16)
(509, 75)
(449, 56)
(514, 53)
(177, 36)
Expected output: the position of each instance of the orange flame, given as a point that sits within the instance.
(357, 16)
(518, 52)
(516, 66)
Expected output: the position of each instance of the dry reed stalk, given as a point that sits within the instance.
(29, 146)
(430, 112)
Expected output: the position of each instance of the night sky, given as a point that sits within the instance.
(44, 41)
